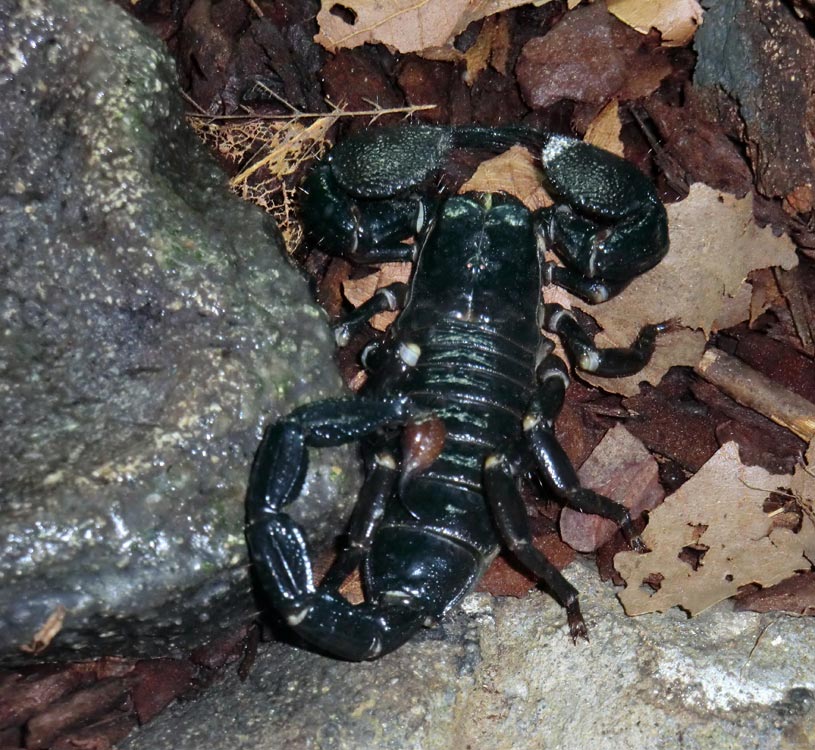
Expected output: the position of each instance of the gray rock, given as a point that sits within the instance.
(503, 674)
(150, 327)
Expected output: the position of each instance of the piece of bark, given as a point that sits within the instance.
(623, 470)
(77, 709)
(759, 55)
(671, 423)
(589, 57)
(795, 595)
(700, 145)
(22, 698)
(158, 683)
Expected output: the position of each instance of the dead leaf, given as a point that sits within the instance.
(766, 293)
(622, 469)
(803, 484)
(491, 46)
(715, 243)
(404, 25)
(604, 130)
(676, 20)
(512, 172)
(710, 538)
(361, 290)
(43, 637)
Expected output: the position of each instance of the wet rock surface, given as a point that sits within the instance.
(502, 673)
(150, 328)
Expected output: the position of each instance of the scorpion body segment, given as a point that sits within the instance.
(462, 395)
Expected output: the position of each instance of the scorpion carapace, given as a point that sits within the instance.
(462, 394)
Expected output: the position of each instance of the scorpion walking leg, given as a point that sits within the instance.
(510, 515)
(386, 299)
(277, 544)
(612, 362)
(554, 464)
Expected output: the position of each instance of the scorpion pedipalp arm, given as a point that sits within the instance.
(610, 362)
(593, 291)
(509, 512)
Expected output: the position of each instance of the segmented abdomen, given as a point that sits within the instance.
(479, 383)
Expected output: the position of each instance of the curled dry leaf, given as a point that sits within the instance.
(43, 637)
(491, 47)
(512, 172)
(710, 538)
(427, 26)
(676, 20)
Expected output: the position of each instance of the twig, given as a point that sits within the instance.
(799, 306)
(356, 113)
(255, 7)
(756, 391)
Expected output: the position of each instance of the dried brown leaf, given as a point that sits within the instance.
(604, 130)
(676, 20)
(710, 538)
(491, 46)
(275, 150)
(795, 595)
(512, 172)
(803, 484)
(405, 25)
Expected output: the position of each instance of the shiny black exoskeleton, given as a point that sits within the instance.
(462, 395)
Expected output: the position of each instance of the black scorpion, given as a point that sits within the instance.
(465, 376)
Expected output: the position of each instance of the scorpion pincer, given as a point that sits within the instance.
(462, 394)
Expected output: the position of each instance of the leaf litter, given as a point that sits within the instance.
(710, 538)
(485, 87)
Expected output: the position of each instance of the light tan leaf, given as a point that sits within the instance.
(604, 130)
(43, 637)
(361, 290)
(676, 20)
(715, 243)
(512, 172)
(711, 537)
(803, 484)
(404, 25)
